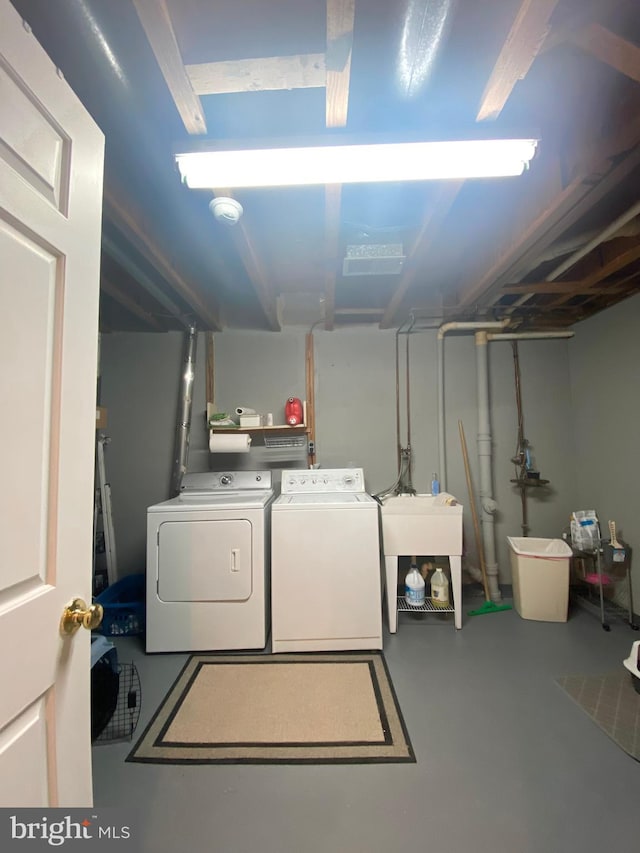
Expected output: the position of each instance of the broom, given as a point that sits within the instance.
(488, 606)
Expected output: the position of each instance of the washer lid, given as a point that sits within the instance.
(325, 500)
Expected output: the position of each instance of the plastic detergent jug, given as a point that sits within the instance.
(439, 589)
(414, 586)
(293, 411)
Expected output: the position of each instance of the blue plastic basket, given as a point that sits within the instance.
(124, 610)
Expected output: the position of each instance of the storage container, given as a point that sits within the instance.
(124, 610)
(540, 577)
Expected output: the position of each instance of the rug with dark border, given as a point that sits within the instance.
(612, 703)
(278, 709)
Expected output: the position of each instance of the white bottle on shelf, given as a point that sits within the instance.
(439, 589)
(414, 589)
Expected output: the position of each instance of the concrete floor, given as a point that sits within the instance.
(505, 760)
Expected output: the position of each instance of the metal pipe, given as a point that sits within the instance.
(442, 331)
(609, 231)
(183, 427)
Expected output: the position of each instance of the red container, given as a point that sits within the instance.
(293, 411)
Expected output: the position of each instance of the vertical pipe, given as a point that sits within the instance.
(485, 490)
(442, 459)
(183, 426)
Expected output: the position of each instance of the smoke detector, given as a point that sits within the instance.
(227, 211)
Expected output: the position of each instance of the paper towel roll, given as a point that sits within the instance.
(229, 442)
(243, 410)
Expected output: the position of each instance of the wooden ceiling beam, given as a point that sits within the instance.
(429, 233)
(610, 48)
(540, 287)
(131, 224)
(129, 303)
(340, 22)
(303, 71)
(332, 202)
(527, 35)
(597, 176)
(253, 267)
(156, 22)
(585, 13)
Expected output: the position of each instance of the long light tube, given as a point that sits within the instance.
(352, 164)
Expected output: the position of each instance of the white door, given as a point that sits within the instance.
(51, 156)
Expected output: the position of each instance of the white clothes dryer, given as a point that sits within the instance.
(208, 564)
(326, 578)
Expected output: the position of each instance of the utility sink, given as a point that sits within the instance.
(421, 525)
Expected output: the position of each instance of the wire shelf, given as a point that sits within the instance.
(427, 607)
(282, 441)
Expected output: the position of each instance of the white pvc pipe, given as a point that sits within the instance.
(528, 336)
(442, 331)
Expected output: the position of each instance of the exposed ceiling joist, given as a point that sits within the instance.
(584, 14)
(130, 223)
(128, 303)
(253, 266)
(527, 34)
(621, 253)
(156, 22)
(610, 48)
(340, 22)
(431, 225)
(303, 71)
(597, 177)
(531, 287)
(332, 201)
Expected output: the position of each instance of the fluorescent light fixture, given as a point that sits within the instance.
(353, 164)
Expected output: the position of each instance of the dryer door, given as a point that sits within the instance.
(204, 560)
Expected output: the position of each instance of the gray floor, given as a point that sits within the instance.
(505, 760)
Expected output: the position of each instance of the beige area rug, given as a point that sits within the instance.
(289, 709)
(611, 702)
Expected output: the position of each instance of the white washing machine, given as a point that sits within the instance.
(208, 562)
(326, 584)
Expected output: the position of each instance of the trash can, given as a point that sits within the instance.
(540, 577)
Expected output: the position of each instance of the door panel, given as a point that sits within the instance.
(204, 560)
(51, 156)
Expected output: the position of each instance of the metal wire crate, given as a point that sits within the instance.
(284, 441)
(125, 717)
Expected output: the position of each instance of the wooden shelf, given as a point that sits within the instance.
(301, 429)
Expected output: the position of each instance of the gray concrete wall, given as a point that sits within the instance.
(355, 387)
(606, 407)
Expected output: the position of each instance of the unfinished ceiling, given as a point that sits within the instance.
(546, 249)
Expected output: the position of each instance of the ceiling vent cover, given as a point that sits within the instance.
(373, 259)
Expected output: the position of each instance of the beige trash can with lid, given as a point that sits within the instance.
(540, 577)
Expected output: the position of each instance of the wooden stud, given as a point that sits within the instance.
(304, 71)
(340, 22)
(156, 22)
(610, 48)
(211, 376)
(529, 30)
(310, 395)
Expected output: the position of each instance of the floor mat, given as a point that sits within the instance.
(291, 708)
(611, 702)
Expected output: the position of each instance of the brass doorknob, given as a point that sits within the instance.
(77, 613)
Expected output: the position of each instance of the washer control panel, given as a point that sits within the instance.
(322, 480)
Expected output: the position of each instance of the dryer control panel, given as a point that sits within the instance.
(322, 481)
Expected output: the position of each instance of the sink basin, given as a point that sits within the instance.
(422, 524)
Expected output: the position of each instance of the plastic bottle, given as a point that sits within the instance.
(435, 485)
(439, 589)
(414, 589)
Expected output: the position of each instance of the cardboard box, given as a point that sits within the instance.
(101, 417)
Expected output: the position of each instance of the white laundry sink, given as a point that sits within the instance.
(422, 524)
